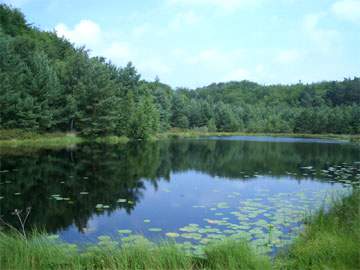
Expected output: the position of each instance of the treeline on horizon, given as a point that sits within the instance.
(49, 85)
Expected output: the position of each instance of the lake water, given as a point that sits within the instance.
(190, 190)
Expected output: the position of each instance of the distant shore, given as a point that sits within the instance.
(16, 138)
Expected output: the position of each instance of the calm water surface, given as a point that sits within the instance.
(195, 190)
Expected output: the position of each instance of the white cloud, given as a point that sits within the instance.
(347, 10)
(184, 18)
(227, 5)
(288, 56)
(140, 30)
(118, 52)
(238, 74)
(101, 43)
(16, 3)
(214, 57)
(259, 68)
(153, 67)
(86, 32)
(325, 39)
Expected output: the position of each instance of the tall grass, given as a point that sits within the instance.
(189, 133)
(330, 241)
(12, 139)
(40, 252)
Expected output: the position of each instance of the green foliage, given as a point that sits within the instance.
(145, 120)
(48, 85)
(12, 21)
(211, 125)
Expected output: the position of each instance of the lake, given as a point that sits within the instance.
(190, 190)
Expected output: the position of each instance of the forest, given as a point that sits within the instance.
(50, 85)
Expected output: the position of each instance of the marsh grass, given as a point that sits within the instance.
(228, 254)
(16, 138)
(13, 139)
(41, 252)
(330, 241)
(188, 133)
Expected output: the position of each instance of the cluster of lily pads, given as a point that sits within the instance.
(268, 222)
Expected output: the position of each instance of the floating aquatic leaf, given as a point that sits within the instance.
(195, 236)
(205, 241)
(222, 205)
(209, 230)
(104, 238)
(155, 229)
(124, 231)
(229, 231)
(172, 234)
(241, 235)
(190, 228)
(307, 168)
(216, 236)
(199, 206)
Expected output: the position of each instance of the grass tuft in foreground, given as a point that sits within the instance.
(41, 252)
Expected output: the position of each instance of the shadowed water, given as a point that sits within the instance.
(191, 190)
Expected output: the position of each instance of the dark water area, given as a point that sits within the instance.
(190, 190)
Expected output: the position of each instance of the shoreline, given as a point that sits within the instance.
(63, 140)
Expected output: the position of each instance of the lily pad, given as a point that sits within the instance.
(124, 231)
(172, 234)
(195, 236)
(155, 229)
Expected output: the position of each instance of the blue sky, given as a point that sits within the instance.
(193, 43)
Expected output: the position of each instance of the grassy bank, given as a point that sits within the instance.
(26, 140)
(176, 133)
(41, 252)
(330, 241)
(19, 138)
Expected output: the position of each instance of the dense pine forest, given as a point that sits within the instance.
(49, 85)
